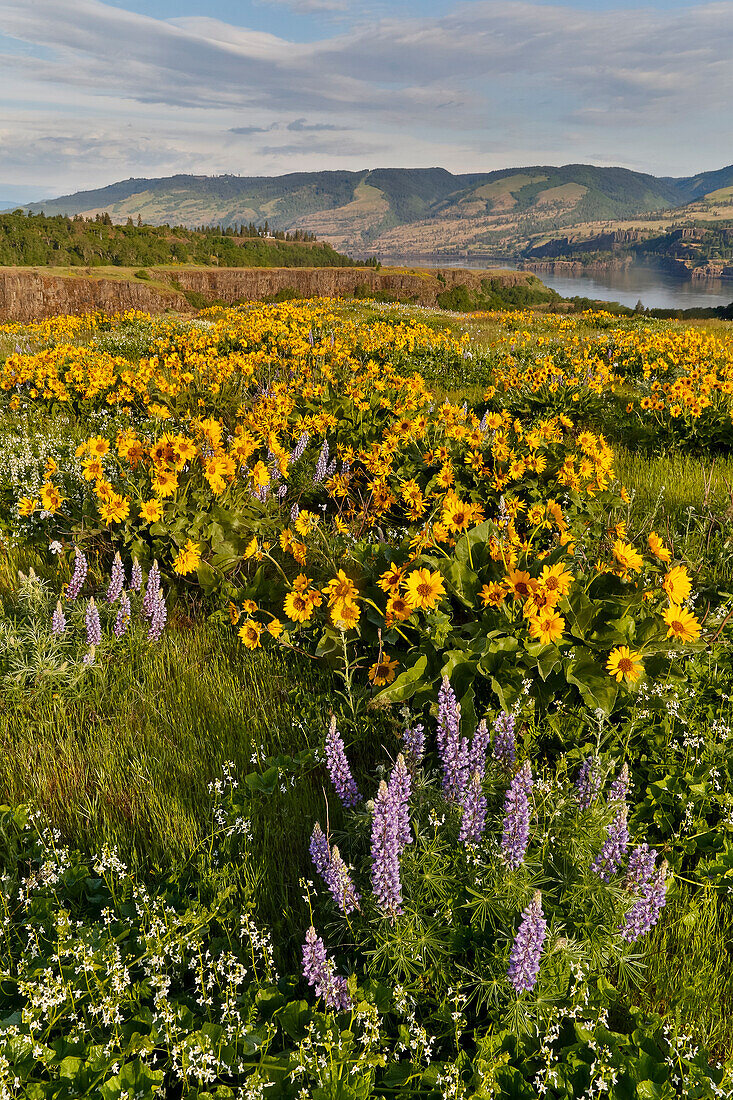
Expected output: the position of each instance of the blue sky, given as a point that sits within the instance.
(93, 91)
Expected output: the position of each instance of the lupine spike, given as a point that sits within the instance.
(152, 587)
(78, 577)
(93, 625)
(123, 616)
(517, 814)
(646, 910)
(158, 617)
(474, 807)
(614, 847)
(505, 746)
(619, 789)
(386, 882)
(58, 620)
(452, 748)
(526, 953)
(117, 579)
(318, 970)
(338, 767)
(400, 787)
(414, 742)
(136, 576)
(479, 749)
(640, 867)
(589, 781)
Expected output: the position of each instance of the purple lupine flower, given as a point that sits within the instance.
(88, 658)
(116, 580)
(158, 617)
(414, 742)
(152, 588)
(474, 807)
(479, 749)
(400, 787)
(386, 882)
(331, 468)
(136, 576)
(339, 883)
(614, 847)
(517, 812)
(78, 577)
(58, 620)
(294, 513)
(505, 745)
(524, 960)
(333, 871)
(282, 492)
(318, 970)
(299, 449)
(321, 464)
(619, 789)
(452, 748)
(338, 767)
(646, 910)
(588, 783)
(320, 854)
(123, 616)
(93, 625)
(640, 867)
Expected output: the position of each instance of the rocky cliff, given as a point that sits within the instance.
(27, 295)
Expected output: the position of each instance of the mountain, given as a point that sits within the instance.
(388, 211)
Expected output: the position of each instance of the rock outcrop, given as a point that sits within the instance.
(27, 295)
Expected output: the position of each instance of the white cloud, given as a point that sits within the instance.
(489, 81)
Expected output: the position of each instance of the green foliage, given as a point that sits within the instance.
(58, 241)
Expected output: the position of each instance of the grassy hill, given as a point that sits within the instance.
(389, 211)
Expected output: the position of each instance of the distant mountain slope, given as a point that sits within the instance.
(393, 210)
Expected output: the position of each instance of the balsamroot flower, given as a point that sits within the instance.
(645, 912)
(589, 781)
(614, 847)
(93, 625)
(123, 616)
(474, 808)
(117, 579)
(58, 620)
(78, 577)
(517, 812)
(505, 745)
(333, 871)
(318, 970)
(414, 742)
(452, 748)
(524, 960)
(136, 576)
(386, 849)
(338, 768)
(158, 617)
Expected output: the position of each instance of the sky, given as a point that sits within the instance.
(93, 92)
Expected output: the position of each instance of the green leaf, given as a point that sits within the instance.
(406, 684)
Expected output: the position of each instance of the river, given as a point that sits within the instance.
(656, 288)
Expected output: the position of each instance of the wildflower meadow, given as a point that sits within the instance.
(367, 683)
